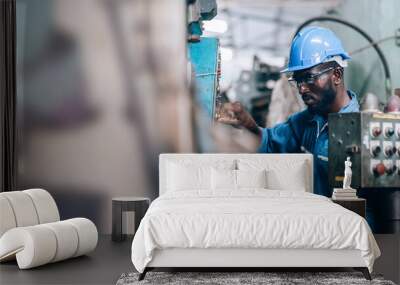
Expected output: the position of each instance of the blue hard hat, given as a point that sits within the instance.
(312, 46)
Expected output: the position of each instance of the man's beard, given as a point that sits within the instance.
(327, 98)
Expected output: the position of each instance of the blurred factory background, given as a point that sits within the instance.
(103, 87)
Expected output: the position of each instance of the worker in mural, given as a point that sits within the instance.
(316, 67)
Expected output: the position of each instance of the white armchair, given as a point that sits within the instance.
(31, 230)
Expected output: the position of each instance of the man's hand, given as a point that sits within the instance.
(235, 114)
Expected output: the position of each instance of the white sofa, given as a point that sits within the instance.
(31, 231)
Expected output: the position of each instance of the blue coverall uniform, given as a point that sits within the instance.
(305, 132)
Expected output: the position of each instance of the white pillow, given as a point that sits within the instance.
(282, 174)
(223, 179)
(293, 178)
(251, 179)
(188, 177)
(193, 174)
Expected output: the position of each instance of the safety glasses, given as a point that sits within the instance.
(309, 79)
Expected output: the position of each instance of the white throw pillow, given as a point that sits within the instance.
(188, 177)
(292, 179)
(223, 179)
(251, 179)
(282, 174)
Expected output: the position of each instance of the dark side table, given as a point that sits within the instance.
(357, 205)
(125, 204)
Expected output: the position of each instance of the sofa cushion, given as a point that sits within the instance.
(7, 215)
(40, 244)
(23, 208)
(45, 205)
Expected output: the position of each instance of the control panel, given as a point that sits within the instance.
(372, 140)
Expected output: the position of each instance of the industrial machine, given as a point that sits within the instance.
(372, 141)
(254, 89)
(203, 55)
(204, 68)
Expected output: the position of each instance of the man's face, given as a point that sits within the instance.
(316, 88)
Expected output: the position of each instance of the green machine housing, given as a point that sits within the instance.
(372, 141)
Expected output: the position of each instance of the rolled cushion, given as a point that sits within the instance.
(33, 246)
(37, 245)
(7, 218)
(87, 233)
(27, 208)
(67, 240)
(23, 208)
(45, 205)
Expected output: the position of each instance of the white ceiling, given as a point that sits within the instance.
(280, 3)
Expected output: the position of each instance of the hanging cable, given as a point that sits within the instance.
(372, 44)
(388, 80)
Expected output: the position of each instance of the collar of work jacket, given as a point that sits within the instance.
(322, 122)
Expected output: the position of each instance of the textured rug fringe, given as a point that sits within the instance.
(244, 278)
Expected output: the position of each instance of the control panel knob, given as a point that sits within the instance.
(389, 151)
(379, 169)
(389, 132)
(391, 169)
(376, 149)
(376, 131)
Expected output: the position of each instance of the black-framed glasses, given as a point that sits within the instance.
(308, 79)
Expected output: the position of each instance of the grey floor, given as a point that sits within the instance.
(111, 259)
(103, 266)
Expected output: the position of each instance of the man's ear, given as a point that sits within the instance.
(337, 76)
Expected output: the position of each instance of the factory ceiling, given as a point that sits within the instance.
(266, 27)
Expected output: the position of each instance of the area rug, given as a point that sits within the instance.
(269, 278)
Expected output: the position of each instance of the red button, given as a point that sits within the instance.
(376, 131)
(379, 169)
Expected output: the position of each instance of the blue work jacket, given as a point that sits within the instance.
(305, 132)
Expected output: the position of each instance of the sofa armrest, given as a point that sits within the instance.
(41, 244)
